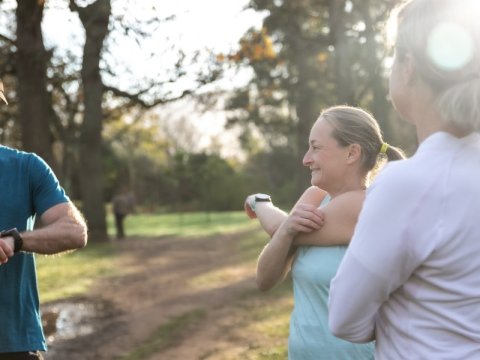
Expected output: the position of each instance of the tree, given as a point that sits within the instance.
(34, 100)
(95, 18)
(316, 53)
(205, 182)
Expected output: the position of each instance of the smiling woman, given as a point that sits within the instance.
(345, 145)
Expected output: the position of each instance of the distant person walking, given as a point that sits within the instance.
(29, 190)
(122, 204)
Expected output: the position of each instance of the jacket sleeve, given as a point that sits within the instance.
(382, 255)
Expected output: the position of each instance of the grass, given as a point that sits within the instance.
(165, 335)
(72, 274)
(183, 224)
(266, 316)
(262, 319)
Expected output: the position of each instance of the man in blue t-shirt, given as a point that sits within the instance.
(28, 188)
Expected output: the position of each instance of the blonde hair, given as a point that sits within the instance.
(352, 125)
(456, 86)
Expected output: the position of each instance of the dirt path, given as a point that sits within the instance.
(166, 278)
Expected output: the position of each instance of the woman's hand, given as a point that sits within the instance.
(304, 218)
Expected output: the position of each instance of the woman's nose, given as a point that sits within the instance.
(306, 159)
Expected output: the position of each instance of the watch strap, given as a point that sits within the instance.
(253, 199)
(17, 238)
(262, 198)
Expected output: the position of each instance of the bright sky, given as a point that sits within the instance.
(212, 24)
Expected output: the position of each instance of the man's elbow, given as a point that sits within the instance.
(81, 235)
(76, 226)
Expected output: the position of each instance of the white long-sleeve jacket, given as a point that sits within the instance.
(411, 275)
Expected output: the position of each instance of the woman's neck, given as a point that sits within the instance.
(357, 184)
(427, 119)
(425, 129)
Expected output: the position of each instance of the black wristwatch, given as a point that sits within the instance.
(262, 198)
(17, 238)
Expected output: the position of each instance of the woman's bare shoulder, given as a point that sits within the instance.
(312, 195)
(347, 201)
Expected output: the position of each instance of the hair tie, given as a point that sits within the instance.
(384, 148)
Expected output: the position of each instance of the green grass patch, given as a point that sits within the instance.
(165, 335)
(72, 274)
(271, 307)
(265, 315)
(268, 316)
(183, 224)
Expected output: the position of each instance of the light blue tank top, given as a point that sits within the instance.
(310, 337)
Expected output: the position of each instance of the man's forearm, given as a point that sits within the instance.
(67, 233)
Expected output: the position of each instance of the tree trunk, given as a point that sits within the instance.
(95, 18)
(344, 90)
(380, 105)
(34, 111)
(306, 108)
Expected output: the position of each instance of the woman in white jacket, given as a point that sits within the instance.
(411, 276)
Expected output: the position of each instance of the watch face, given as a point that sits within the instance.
(262, 197)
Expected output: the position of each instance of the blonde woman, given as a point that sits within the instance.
(411, 276)
(345, 145)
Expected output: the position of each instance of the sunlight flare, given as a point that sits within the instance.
(450, 47)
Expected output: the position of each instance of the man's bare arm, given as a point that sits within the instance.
(63, 229)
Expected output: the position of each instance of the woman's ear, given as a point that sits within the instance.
(354, 153)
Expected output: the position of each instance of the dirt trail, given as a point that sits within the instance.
(164, 280)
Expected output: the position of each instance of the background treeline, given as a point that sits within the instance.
(100, 133)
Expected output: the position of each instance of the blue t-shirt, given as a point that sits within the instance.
(310, 337)
(28, 188)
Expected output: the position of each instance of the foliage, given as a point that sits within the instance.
(206, 182)
(273, 173)
(180, 181)
(309, 55)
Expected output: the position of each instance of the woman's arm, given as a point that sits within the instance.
(341, 215)
(276, 258)
(270, 216)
